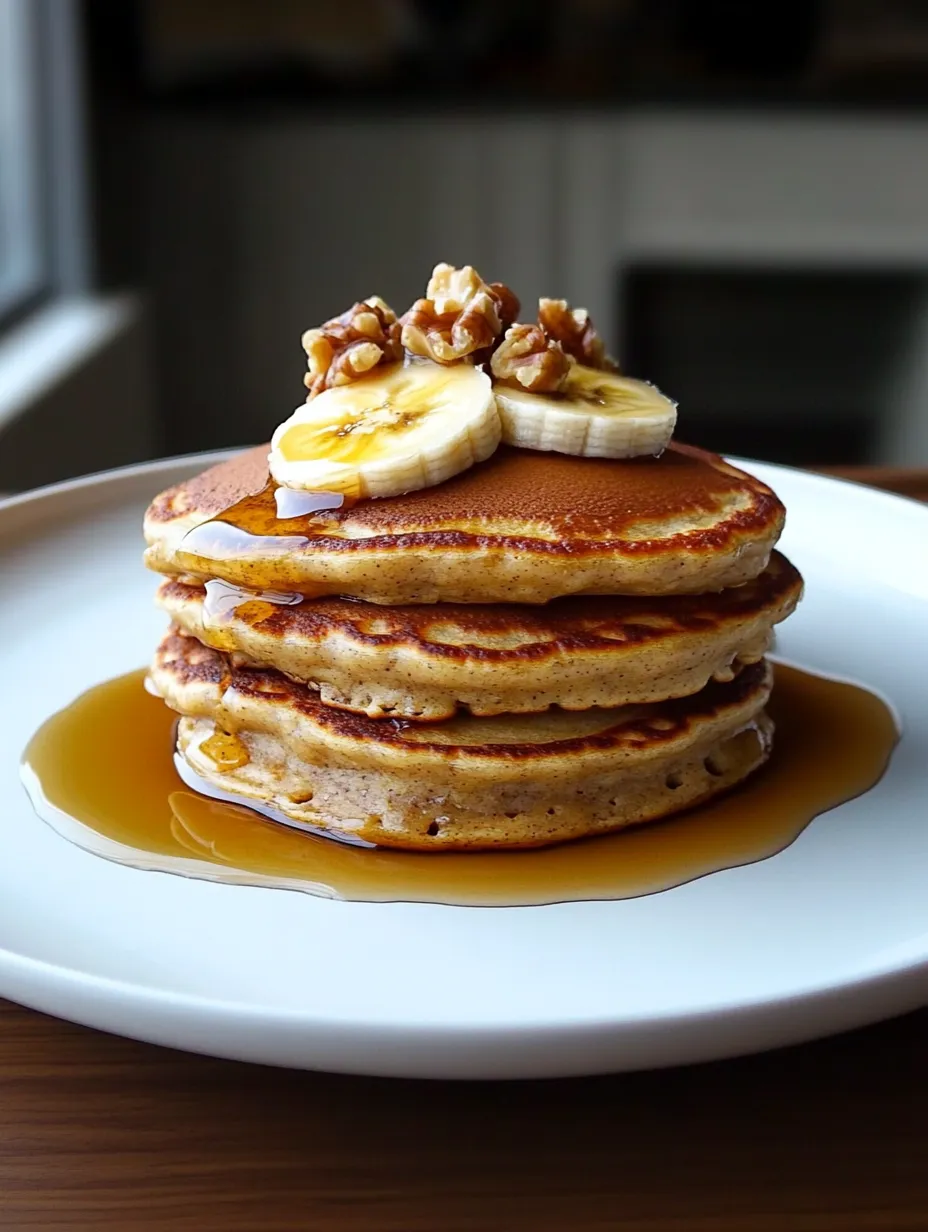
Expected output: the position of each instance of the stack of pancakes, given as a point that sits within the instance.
(542, 648)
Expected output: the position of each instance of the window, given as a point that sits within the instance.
(22, 269)
(41, 219)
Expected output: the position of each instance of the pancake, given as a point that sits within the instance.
(522, 527)
(469, 782)
(426, 662)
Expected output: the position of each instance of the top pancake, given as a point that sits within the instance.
(522, 527)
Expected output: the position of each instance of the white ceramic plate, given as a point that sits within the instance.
(831, 933)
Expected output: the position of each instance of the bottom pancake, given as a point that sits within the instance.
(394, 812)
(465, 783)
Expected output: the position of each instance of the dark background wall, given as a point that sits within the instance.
(739, 194)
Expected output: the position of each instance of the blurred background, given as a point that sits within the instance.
(738, 192)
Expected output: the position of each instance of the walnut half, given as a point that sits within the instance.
(461, 316)
(528, 358)
(574, 330)
(350, 345)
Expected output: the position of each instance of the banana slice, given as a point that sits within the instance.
(598, 414)
(395, 431)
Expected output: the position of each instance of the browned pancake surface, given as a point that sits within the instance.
(505, 633)
(577, 504)
(182, 664)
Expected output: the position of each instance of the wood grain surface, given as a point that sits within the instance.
(103, 1133)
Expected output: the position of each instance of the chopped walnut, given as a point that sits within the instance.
(507, 304)
(350, 345)
(528, 358)
(574, 330)
(450, 289)
(460, 317)
(450, 336)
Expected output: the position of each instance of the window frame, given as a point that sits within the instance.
(23, 266)
(43, 197)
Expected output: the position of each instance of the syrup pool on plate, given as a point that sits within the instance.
(101, 772)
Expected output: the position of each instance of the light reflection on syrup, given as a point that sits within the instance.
(101, 773)
(292, 503)
(223, 601)
(222, 598)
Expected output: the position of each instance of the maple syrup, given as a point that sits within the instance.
(269, 522)
(101, 772)
(223, 601)
(226, 751)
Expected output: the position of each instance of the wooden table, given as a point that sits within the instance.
(103, 1133)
